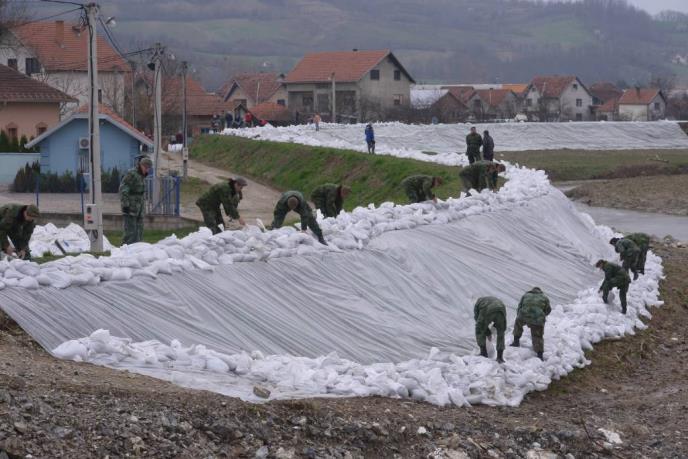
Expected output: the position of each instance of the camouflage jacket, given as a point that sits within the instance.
(626, 248)
(487, 310)
(14, 227)
(479, 175)
(534, 307)
(615, 276)
(473, 144)
(221, 194)
(642, 240)
(328, 199)
(303, 209)
(420, 184)
(131, 192)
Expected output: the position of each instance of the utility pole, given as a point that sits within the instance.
(185, 159)
(157, 122)
(96, 197)
(334, 100)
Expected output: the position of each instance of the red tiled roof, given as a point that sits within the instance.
(461, 93)
(493, 97)
(17, 87)
(199, 102)
(639, 96)
(517, 88)
(264, 85)
(72, 52)
(552, 86)
(605, 91)
(105, 110)
(348, 66)
(270, 111)
(610, 106)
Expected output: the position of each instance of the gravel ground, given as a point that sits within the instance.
(636, 387)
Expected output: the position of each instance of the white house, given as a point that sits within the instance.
(642, 104)
(56, 53)
(558, 98)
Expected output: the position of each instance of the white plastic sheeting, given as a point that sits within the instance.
(441, 142)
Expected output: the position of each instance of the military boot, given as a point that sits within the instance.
(623, 309)
(500, 356)
(516, 343)
(483, 351)
(541, 356)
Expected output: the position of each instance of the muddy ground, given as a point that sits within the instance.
(637, 387)
(666, 194)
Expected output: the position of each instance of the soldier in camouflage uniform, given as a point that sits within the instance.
(489, 310)
(614, 276)
(131, 195)
(481, 175)
(17, 225)
(418, 188)
(642, 240)
(533, 310)
(628, 252)
(473, 144)
(227, 195)
(294, 200)
(329, 198)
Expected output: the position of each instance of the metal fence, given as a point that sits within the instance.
(163, 195)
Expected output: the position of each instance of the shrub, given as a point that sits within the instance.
(25, 181)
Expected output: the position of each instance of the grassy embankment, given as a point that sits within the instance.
(287, 166)
(563, 165)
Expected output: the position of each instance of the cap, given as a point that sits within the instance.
(240, 181)
(32, 211)
(146, 161)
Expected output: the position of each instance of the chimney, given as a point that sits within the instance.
(59, 32)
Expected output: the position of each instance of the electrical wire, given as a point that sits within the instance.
(52, 16)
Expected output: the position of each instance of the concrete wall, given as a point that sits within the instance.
(10, 163)
(60, 151)
(28, 117)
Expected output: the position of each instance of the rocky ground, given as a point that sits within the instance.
(636, 388)
(660, 193)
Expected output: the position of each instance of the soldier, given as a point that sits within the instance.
(294, 200)
(628, 252)
(614, 276)
(131, 192)
(473, 144)
(418, 188)
(481, 175)
(329, 198)
(642, 240)
(489, 310)
(227, 195)
(532, 311)
(16, 226)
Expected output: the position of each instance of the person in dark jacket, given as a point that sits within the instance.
(614, 276)
(16, 226)
(227, 195)
(294, 201)
(488, 146)
(370, 138)
(229, 120)
(473, 144)
(329, 198)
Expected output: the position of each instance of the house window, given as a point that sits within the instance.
(41, 128)
(100, 96)
(281, 102)
(397, 75)
(241, 102)
(579, 102)
(657, 106)
(398, 99)
(477, 104)
(32, 66)
(12, 63)
(12, 134)
(307, 101)
(579, 117)
(575, 86)
(375, 74)
(529, 102)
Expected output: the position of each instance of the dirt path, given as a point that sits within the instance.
(636, 387)
(259, 200)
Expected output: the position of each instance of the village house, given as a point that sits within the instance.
(642, 104)
(558, 98)
(56, 53)
(493, 104)
(605, 98)
(251, 89)
(452, 107)
(273, 113)
(28, 107)
(368, 85)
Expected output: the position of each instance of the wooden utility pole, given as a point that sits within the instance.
(157, 122)
(185, 160)
(334, 99)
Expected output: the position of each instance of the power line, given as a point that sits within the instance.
(52, 16)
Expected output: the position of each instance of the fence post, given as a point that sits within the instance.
(177, 209)
(81, 192)
(38, 190)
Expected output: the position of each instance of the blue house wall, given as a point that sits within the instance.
(60, 150)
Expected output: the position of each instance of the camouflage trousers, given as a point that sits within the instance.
(537, 333)
(482, 331)
(473, 157)
(623, 289)
(133, 229)
(213, 219)
(416, 196)
(322, 205)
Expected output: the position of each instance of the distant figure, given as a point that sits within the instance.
(294, 200)
(419, 188)
(262, 122)
(473, 144)
(316, 121)
(481, 175)
(229, 120)
(489, 310)
(16, 226)
(642, 240)
(370, 138)
(614, 276)
(132, 200)
(532, 311)
(227, 195)
(248, 119)
(435, 120)
(488, 146)
(179, 138)
(628, 252)
(329, 198)
(215, 123)
(297, 117)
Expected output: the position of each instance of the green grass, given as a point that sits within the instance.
(565, 165)
(287, 166)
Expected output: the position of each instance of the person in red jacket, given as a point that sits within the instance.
(248, 119)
